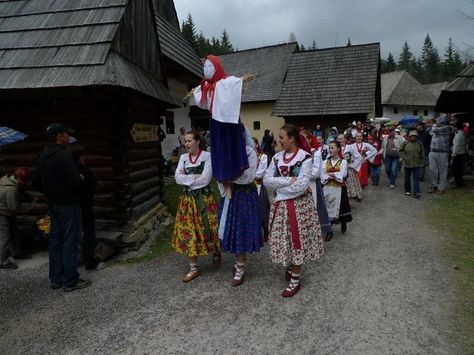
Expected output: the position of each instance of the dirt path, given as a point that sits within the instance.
(380, 289)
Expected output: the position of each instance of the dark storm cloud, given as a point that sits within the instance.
(255, 23)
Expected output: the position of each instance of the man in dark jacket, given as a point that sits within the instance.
(58, 178)
(11, 196)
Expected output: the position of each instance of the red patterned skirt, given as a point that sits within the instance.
(295, 232)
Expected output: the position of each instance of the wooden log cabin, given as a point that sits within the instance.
(96, 66)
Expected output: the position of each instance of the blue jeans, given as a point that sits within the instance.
(64, 241)
(374, 174)
(391, 168)
(416, 180)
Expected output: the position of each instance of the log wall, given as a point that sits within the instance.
(129, 173)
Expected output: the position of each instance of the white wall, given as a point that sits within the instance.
(407, 110)
(181, 118)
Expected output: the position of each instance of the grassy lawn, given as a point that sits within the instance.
(454, 213)
(162, 243)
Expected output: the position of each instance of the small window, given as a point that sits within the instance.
(415, 112)
(169, 123)
(256, 125)
(425, 113)
(395, 110)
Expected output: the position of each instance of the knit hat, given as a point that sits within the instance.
(441, 120)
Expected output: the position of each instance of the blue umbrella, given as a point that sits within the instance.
(409, 121)
(9, 135)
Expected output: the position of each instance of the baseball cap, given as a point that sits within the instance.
(57, 127)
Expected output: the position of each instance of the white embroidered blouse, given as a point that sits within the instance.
(261, 166)
(317, 165)
(185, 172)
(366, 150)
(279, 175)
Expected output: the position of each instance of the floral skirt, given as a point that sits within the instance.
(354, 190)
(295, 232)
(195, 229)
(242, 231)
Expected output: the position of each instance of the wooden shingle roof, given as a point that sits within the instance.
(458, 95)
(400, 88)
(46, 43)
(464, 81)
(268, 64)
(436, 88)
(341, 80)
(175, 47)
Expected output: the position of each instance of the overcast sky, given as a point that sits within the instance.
(256, 23)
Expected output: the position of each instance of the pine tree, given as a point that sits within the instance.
(313, 45)
(188, 29)
(406, 57)
(416, 68)
(390, 64)
(430, 61)
(452, 63)
(292, 37)
(226, 46)
(302, 48)
(349, 42)
(215, 45)
(201, 44)
(204, 46)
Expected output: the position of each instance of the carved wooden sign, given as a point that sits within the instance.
(144, 132)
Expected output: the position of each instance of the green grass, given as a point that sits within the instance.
(454, 213)
(162, 243)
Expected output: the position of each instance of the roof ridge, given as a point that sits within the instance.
(264, 47)
(340, 47)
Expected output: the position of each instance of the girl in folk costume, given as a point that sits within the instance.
(240, 230)
(333, 173)
(317, 190)
(295, 232)
(221, 95)
(368, 153)
(195, 230)
(322, 148)
(354, 159)
(263, 201)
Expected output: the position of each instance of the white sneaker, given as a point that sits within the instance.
(99, 266)
(392, 186)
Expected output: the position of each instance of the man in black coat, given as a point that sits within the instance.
(57, 176)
